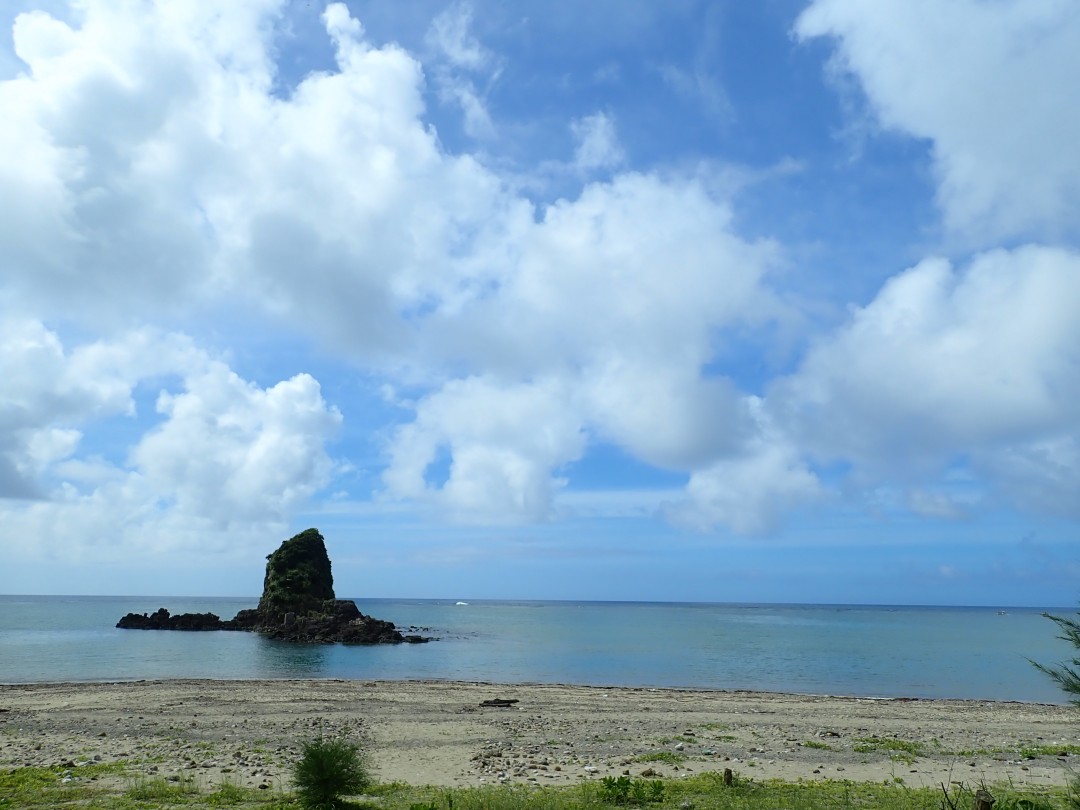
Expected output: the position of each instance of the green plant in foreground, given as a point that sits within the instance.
(41, 789)
(1068, 678)
(327, 770)
(624, 790)
(34, 787)
(1066, 675)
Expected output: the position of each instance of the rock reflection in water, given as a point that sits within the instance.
(286, 659)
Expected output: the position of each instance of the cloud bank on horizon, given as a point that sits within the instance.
(720, 272)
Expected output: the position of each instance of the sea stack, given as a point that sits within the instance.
(298, 578)
(297, 604)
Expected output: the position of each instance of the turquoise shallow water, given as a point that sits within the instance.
(814, 649)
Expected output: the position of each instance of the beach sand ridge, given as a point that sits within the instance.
(435, 732)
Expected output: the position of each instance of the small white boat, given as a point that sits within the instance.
(461, 603)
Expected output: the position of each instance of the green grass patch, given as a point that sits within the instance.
(45, 788)
(1032, 751)
(30, 787)
(160, 789)
(40, 788)
(670, 757)
(624, 790)
(867, 745)
(707, 790)
(230, 794)
(905, 751)
(21, 786)
(681, 738)
(1026, 751)
(818, 745)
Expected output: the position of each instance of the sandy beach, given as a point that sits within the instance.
(438, 733)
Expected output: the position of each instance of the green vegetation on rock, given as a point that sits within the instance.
(297, 604)
(298, 578)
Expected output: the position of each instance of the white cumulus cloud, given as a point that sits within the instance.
(615, 301)
(753, 490)
(226, 461)
(986, 84)
(503, 442)
(232, 451)
(163, 168)
(979, 363)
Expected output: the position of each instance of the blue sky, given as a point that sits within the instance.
(773, 301)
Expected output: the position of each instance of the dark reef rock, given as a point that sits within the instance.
(298, 604)
(161, 620)
(336, 620)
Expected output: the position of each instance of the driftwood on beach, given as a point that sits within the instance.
(297, 604)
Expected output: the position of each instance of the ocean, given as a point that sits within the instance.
(872, 651)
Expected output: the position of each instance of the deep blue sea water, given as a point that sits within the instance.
(926, 652)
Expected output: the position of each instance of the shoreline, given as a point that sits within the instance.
(1063, 703)
(436, 732)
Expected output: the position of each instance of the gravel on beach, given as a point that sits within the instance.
(438, 733)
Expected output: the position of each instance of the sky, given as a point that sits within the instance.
(683, 301)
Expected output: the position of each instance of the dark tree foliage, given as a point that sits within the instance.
(1067, 674)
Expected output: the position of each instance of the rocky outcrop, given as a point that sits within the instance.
(339, 620)
(161, 620)
(298, 604)
(298, 579)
